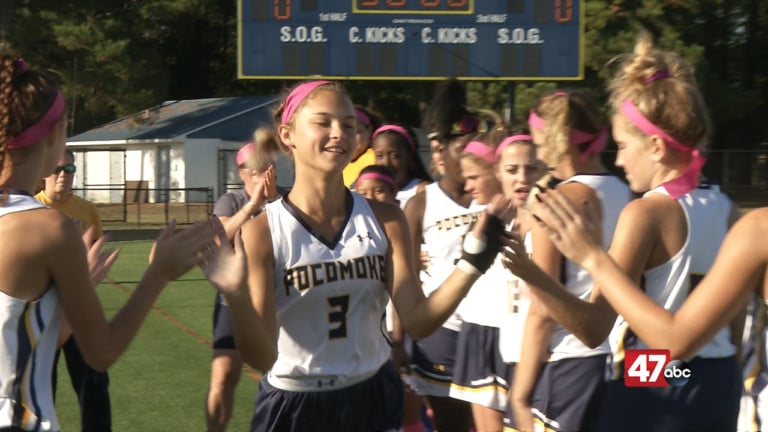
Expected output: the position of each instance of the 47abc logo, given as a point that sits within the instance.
(652, 368)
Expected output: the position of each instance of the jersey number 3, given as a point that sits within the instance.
(337, 316)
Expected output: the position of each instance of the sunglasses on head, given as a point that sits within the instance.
(68, 169)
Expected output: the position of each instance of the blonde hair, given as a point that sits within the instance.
(563, 111)
(662, 86)
(265, 149)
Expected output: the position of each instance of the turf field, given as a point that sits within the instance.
(160, 382)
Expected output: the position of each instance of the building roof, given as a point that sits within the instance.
(230, 119)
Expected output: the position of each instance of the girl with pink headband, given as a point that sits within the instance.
(47, 272)
(395, 146)
(491, 162)
(668, 240)
(376, 182)
(322, 263)
(558, 377)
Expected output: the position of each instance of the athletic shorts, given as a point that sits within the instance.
(709, 401)
(374, 405)
(223, 333)
(480, 376)
(432, 362)
(567, 395)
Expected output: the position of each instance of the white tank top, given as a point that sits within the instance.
(407, 192)
(518, 301)
(614, 195)
(707, 212)
(330, 299)
(444, 225)
(30, 331)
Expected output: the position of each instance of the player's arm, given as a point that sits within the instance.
(233, 220)
(739, 321)
(253, 309)
(738, 270)
(590, 321)
(101, 341)
(537, 330)
(420, 315)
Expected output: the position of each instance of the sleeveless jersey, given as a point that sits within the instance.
(30, 330)
(486, 302)
(330, 299)
(444, 225)
(518, 301)
(614, 195)
(408, 191)
(706, 211)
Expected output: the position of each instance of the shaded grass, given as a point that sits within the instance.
(160, 382)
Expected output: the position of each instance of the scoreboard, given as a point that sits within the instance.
(411, 39)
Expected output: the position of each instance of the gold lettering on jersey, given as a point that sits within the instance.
(456, 221)
(311, 275)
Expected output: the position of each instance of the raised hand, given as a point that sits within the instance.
(270, 187)
(577, 233)
(99, 260)
(175, 253)
(225, 266)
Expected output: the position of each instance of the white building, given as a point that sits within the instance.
(185, 149)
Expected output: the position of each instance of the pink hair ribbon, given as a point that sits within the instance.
(244, 153)
(481, 150)
(598, 140)
(376, 176)
(661, 74)
(509, 140)
(296, 97)
(362, 117)
(38, 130)
(397, 129)
(689, 179)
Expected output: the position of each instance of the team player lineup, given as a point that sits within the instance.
(475, 297)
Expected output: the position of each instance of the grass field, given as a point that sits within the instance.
(160, 383)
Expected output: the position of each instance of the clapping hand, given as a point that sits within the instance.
(225, 266)
(100, 260)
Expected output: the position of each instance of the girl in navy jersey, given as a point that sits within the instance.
(668, 240)
(47, 270)
(557, 379)
(322, 263)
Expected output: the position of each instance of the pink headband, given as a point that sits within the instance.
(397, 129)
(576, 136)
(376, 176)
(244, 153)
(690, 178)
(362, 117)
(38, 130)
(296, 97)
(509, 140)
(481, 150)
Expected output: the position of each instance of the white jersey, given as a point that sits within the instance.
(30, 330)
(329, 298)
(614, 195)
(444, 225)
(408, 191)
(707, 213)
(486, 302)
(518, 301)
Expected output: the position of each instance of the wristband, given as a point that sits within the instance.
(473, 244)
(468, 268)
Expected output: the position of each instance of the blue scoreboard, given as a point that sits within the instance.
(411, 39)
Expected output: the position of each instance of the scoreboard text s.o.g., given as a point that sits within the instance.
(411, 39)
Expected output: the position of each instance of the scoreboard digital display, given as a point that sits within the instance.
(411, 39)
